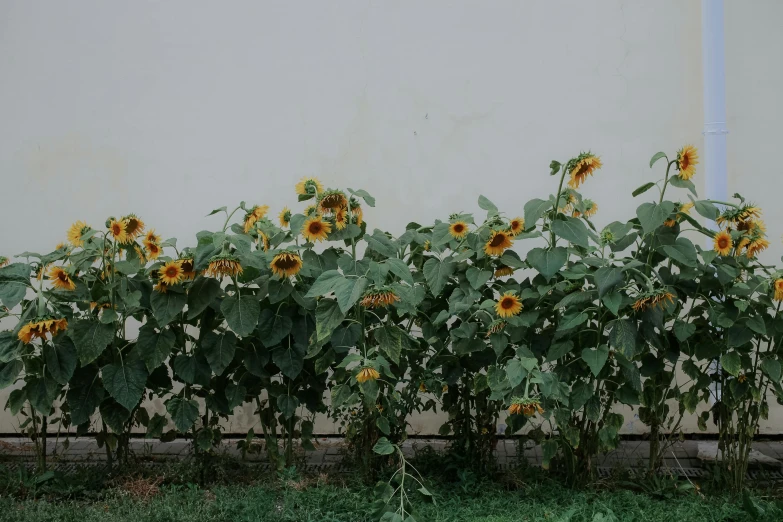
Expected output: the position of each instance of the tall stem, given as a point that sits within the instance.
(555, 209)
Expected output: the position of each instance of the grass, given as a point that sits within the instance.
(332, 499)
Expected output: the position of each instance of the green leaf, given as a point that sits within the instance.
(623, 337)
(16, 401)
(652, 215)
(576, 298)
(14, 282)
(325, 283)
(84, 394)
(441, 234)
(192, 369)
(183, 412)
(548, 451)
(534, 209)
(644, 188)
(166, 306)
(487, 205)
(607, 278)
(739, 335)
(683, 330)
(756, 323)
(219, 350)
(678, 182)
(221, 209)
(392, 342)
(235, 394)
(287, 404)
(772, 368)
(290, 359)
(706, 209)
(90, 338)
(478, 278)
(656, 157)
(381, 243)
(41, 392)
(273, 328)
(114, 415)
(613, 302)
(345, 337)
(60, 359)
(154, 347)
(364, 195)
(202, 292)
(400, 269)
(328, 316)
(437, 273)
(682, 251)
(156, 426)
(125, 382)
(557, 350)
(730, 361)
(241, 313)
(572, 230)
(349, 290)
(383, 447)
(10, 347)
(596, 358)
(547, 261)
(9, 371)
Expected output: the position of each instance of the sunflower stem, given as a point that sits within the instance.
(228, 218)
(553, 241)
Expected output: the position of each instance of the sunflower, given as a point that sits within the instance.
(367, 374)
(331, 200)
(683, 209)
(100, 306)
(171, 273)
(188, 272)
(508, 305)
(263, 241)
(341, 218)
(590, 209)
(284, 217)
(584, 165)
(778, 286)
(497, 243)
(687, 159)
(756, 246)
(516, 226)
(41, 271)
(737, 215)
(659, 298)
(723, 243)
(253, 215)
(422, 387)
(496, 326)
(458, 230)
(286, 264)
(40, 327)
(152, 237)
(140, 255)
(117, 229)
(153, 250)
(503, 271)
(161, 287)
(427, 246)
(60, 279)
(4, 261)
(527, 406)
(357, 216)
(309, 187)
(76, 231)
(379, 298)
(134, 226)
(60, 245)
(224, 265)
(316, 229)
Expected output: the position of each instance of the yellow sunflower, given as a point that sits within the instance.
(331, 200)
(153, 250)
(584, 165)
(224, 265)
(756, 246)
(263, 241)
(76, 232)
(316, 229)
(341, 218)
(286, 264)
(188, 269)
(495, 327)
(171, 273)
(40, 327)
(134, 226)
(117, 230)
(367, 374)
(508, 305)
(777, 285)
(504, 271)
(458, 230)
(380, 298)
(309, 187)
(498, 242)
(516, 226)
(152, 237)
(687, 159)
(723, 243)
(60, 279)
(284, 217)
(161, 287)
(140, 255)
(590, 209)
(253, 215)
(356, 211)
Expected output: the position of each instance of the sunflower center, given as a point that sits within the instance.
(507, 303)
(497, 240)
(116, 230)
(286, 262)
(132, 226)
(685, 161)
(172, 271)
(458, 228)
(723, 242)
(62, 276)
(315, 227)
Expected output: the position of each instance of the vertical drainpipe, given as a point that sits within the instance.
(714, 94)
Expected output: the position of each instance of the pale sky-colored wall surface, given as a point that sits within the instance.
(170, 109)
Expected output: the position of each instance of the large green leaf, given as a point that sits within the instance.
(328, 316)
(241, 313)
(60, 359)
(652, 215)
(731, 362)
(273, 328)
(114, 415)
(14, 282)
(682, 251)
(202, 292)
(477, 277)
(166, 305)
(400, 269)
(772, 368)
(9, 372)
(183, 412)
(219, 350)
(383, 447)
(596, 358)
(381, 243)
(392, 341)
(125, 382)
(154, 347)
(534, 209)
(192, 369)
(437, 273)
(572, 230)
(290, 359)
(349, 290)
(325, 283)
(644, 188)
(623, 337)
(90, 338)
(10, 347)
(84, 394)
(287, 405)
(607, 278)
(547, 261)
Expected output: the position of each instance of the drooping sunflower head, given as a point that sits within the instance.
(687, 159)
(379, 297)
(331, 200)
(657, 298)
(777, 287)
(309, 187)
(134, 226)
(527, 406)
(224, 265)
(285, 217)
(316, 229)
(497, 243)
(161, 287)
(367, 373)
(723, 243)
(736, 215)
(188, 267)
(754, 239)
(171, 273)
(497, 326)
(253, 215)
(76, 231)
(263, 241)
(4, 261)
(590, 209)
(516, 226)
(140, 254)
(582, 166)
(503, 271)
(40, 327)
(60, 279)
(286, 264)
(756, 246)
(458, 229)
(357, 216)
(508, 305)
(341, 218)
(117, 230)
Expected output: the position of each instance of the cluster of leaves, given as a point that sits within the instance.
(449, 316)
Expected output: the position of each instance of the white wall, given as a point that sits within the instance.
(170, 109)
